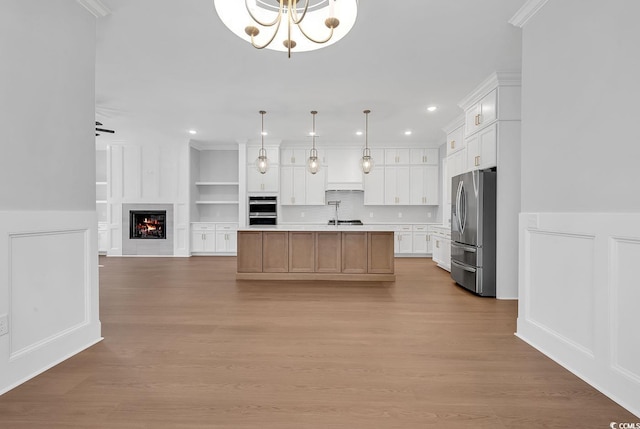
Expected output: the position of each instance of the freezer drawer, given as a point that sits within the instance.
(468, 255)
(465, 275)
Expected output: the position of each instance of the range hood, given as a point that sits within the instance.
(344, 186)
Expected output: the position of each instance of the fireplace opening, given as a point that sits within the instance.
(147, 224)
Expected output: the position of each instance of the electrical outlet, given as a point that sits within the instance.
(399, 215)
(4, 325)
(429, 215)
(370, 214)
(301, 214)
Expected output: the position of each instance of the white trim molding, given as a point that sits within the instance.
(579, 296)
(96, 7)
(499, 78)
(526, 12)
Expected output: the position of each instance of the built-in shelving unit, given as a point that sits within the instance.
(101, 199)
(215, 190)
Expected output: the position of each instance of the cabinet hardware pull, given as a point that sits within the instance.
(477, 160)
(437, 244)
(453, 144)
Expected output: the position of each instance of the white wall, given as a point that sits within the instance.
(48, 225)
(581, 71)
(579, 235)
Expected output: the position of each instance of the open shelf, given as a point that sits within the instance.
(216, 202)
(217, 183)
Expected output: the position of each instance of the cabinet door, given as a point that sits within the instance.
(424, 156)
(403, 179)
(354, 252)
(249, 252)
(328, 252)
(390, 185)
(232, 241)
(446, 254)
(221, 241)
(197, 241)
(420, 242)
(380, 254)
(301, 252)
(481, 149)
(257, 182)
(405, 242)
(417, 186)
(286, 188)
(209, 241)
(397, 156)
(487, 109)
(455, 140)
(290, 156)
(275, 251)
(437, 249)
(299, 179)
(374, 187)
(315, 185)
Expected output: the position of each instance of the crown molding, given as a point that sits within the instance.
(96, 7)
(454, 125)
(499, 78)
(526, 12)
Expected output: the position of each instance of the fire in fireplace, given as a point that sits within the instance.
(147, 224)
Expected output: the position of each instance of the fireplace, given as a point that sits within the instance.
(147, 224)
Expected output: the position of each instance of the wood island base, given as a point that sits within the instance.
(315, 255)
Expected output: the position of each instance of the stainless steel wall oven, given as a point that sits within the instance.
(263, 210)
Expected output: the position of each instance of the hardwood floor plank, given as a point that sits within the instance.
(187, 346)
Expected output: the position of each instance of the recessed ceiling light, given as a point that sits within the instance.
(192, 132)
(358, 133)
(432, 108)
(407, 133)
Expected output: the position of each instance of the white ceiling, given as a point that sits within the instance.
(166, 66)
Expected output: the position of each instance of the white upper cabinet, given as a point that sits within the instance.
(257, 182)
(292, 189)
(397, 156)
(424, 185)
(481, 114)
(396, 189)
(481, 149)
(315, 185)
(374, 187)
(424, 156)
(289, 156)
(455, 140)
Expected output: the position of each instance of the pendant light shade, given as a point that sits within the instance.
(313, 163)
(262, 163)
(366, 163)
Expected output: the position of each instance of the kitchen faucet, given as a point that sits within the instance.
(337, 204)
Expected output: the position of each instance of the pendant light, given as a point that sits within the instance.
(262, 163)
(367, 162)
(313, 163)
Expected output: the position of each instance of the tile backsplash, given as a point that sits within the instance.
(352, 207)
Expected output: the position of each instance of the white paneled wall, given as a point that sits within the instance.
(49, 290)
(148, 174)
(580, 294)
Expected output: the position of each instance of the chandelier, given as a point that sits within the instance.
(313, 163)
(366, 163)
(262, 163)
(284, 25)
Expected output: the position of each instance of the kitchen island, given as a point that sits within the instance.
(316, 252)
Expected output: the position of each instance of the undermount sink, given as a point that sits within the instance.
(345, 222)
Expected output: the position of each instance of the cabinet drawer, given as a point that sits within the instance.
(203, 226)
(226, 227)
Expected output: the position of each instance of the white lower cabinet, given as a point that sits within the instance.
(403, 240)
(421, 240)
(441, 239)
(212, 238)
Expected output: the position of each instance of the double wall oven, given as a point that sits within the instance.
(263, 210)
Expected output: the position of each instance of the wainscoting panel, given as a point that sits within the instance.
(579, 295)
(561, 289)
(48, 288)
(49, 292)
(625, 306)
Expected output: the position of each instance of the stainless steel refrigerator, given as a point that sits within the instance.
(473, 231)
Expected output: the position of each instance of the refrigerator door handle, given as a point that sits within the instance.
(464, 247)
(463, 267)
(458, 207)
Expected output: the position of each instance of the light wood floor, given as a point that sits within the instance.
(186, 346)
